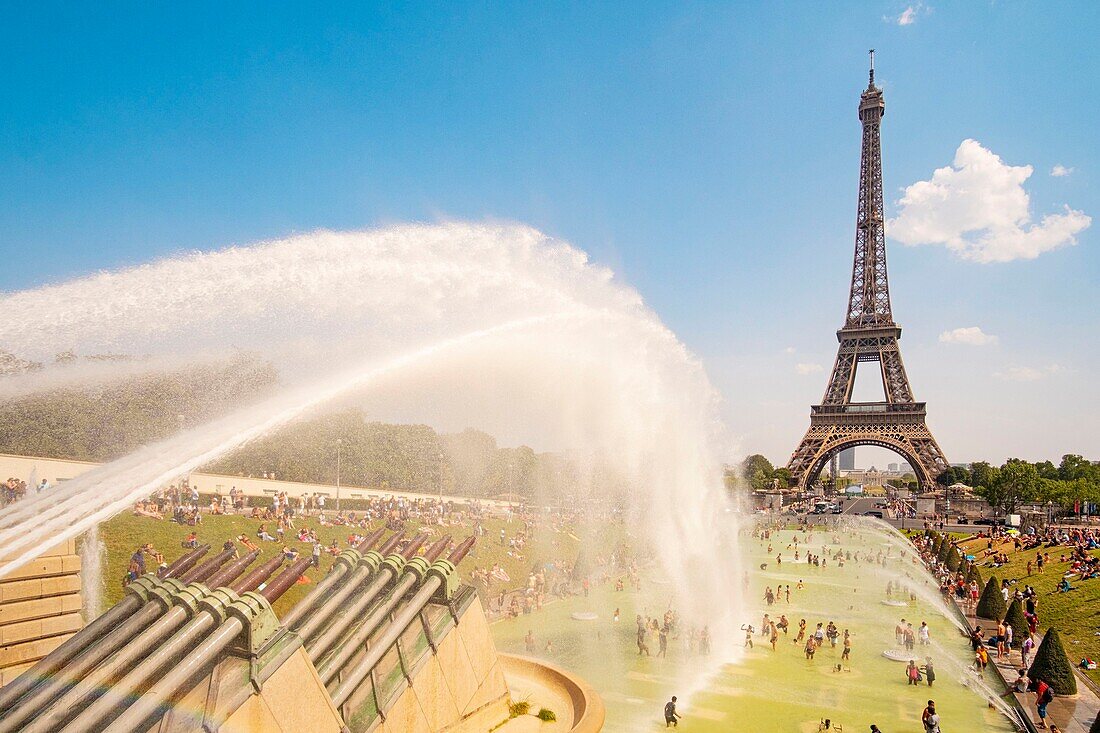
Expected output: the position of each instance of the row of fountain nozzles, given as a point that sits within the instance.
(127, 665)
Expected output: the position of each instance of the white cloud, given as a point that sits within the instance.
(970, 335)
(977, 207)
(908, 16)
(1060, 171)
(788, 350)
(1028, 374)
(808, 368)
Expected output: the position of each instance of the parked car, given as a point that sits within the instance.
(873, 514)
(837, 510)
(986, 521)
(962, 520)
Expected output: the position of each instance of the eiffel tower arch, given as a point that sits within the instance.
(869, 334)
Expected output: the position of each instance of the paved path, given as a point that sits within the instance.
(1071, 714)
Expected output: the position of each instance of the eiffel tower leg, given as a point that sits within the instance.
(894, 381)
(913, 441)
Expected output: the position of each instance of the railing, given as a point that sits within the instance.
(868, 407)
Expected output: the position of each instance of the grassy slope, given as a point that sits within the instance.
(124, 533)
(1076, 614)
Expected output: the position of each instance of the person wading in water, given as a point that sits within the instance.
(671, 716)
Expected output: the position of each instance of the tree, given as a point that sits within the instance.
(1016, 482)
(982, 475)
(469, 454)
(953, 475)
(782, 477)
(104, 422)
(992, 604)
(1047, 470)
(1052, 666)
(1074, 466)
(758, 471)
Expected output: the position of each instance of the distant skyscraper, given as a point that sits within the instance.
(848, 459)
(892, 467)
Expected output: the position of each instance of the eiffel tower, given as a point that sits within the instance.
(869, 334)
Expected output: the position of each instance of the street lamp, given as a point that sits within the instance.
(339, 450)
(440, 484)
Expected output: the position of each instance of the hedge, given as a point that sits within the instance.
(954, 560)
(992, 604)
(973, 575)
(1015, 618)
(1052, 666)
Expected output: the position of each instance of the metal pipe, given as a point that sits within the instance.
(307, 604)
(92, 655)
(79, 666)
(108, 671)
(410, 577)
(284, 580)
(232, 571)
(393, 631)
(208, 568)
(156, 700)
(46, 667)
(230, 700)
(186, 562)
(255, 578)
(336, 601)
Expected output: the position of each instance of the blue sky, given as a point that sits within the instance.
(706, 152)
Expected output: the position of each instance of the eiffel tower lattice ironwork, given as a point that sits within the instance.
(869, 334)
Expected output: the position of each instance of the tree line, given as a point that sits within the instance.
(101, 423)
(1017, 482)
(1006, 487)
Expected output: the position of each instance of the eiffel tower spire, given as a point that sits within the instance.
(869, 334)
(869, 301)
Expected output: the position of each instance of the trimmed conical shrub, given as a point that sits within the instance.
(1014, 617)
(945, 550)
(992, 604)
(973, 575)
(1052, 666)
(954, 560)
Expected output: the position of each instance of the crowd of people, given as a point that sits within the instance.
(15, 489)
(1003, 637)
(820, 556)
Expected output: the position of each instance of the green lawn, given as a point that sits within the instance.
(124, 533)
(1076, 614)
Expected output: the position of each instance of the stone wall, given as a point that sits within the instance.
(40, 607)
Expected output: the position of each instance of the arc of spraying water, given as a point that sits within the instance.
(26, 537)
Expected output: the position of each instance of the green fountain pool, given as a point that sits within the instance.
(768, 690)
